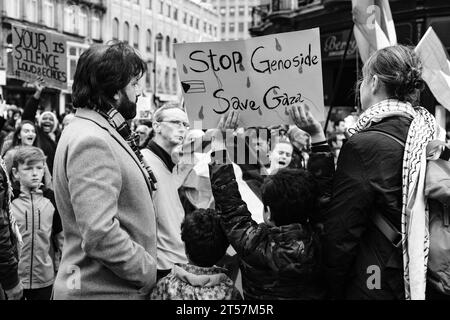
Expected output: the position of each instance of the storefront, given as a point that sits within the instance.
(334, 18)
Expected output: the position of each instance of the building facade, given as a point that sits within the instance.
(334, 17)
(235, 17)
(78, 22)
(153, 27)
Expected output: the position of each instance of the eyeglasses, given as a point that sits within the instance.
(177, 123)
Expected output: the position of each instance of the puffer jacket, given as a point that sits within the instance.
(190, 282)
(368, 181)
(276, 262)
(40, 227)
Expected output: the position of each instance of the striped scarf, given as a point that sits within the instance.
(116, 120)
(414, 222)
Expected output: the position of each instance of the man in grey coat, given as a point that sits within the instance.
(103, 191)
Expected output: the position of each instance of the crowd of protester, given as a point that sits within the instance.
(152, 209)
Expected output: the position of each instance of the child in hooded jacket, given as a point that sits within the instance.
(39, 224)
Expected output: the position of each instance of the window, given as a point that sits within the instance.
(196, 23)
(223, 11)
(173, 51)
(241, 27)
(149, 4)
(210, 29)
(224, 26)
(169, 10)
(83, 27)
(136, 37)
(74, 53)
(205, 26)
(31, 10)
(215, 31)
(231, 27)
(115, 29)
(148, 76)
(161, 7)
(49, 14)
(241, 10)
(168, 46)
(13, 9)
(149, 41)
(69, 19)
(126, 32)
(160, 42)
(175, 14)
(191, 21)
(185, 18)
(96, 32)
(174, 81)
(167, 80)
(232, 11)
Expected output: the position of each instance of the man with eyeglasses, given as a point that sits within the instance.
(170, 125)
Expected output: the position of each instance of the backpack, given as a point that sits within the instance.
(437, 191)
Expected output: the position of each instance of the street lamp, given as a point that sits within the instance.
(158, 37)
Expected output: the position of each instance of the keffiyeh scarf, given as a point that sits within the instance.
(116, 120)
(414, 221)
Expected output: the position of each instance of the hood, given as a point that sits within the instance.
(55, 119)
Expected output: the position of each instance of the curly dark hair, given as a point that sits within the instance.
(204, 240)
(292, 196)
(102, 71)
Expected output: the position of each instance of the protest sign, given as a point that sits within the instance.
(144, 109)
(39, 53)
(436, 66)
(262, 77)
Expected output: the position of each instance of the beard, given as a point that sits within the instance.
(126, 107)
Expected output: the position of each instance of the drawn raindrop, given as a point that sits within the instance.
(200, 114)
(241, 67)
(278, 46)
(275, 91)
(185, 69)
(248, 82)
(260, 112)
(300, 70)
(286, 111)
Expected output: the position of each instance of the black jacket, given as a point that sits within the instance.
(8, 250)
(276, 262)
(44, 141)
(368, 180)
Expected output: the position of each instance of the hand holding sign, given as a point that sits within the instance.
(39, 84)
(305, 121)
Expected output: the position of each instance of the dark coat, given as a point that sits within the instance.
(276, 262)
(8, 251)
(368, 180)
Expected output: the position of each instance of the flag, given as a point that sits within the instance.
(374, 28)
(436, 66)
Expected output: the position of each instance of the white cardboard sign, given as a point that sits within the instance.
(262, 77)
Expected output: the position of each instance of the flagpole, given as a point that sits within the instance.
(338, 79)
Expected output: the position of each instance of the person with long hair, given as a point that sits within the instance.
(378, 186)
(24, 135)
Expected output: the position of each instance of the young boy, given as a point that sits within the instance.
(205, 244)
(35, 212)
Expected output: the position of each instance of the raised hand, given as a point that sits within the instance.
(305, 121)
(229, 121)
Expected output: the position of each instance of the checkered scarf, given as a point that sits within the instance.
(116, 120)
(415, 233)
